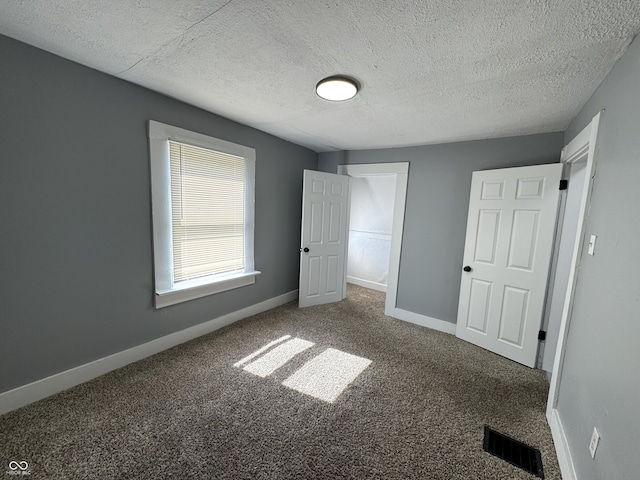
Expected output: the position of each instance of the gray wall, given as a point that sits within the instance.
(436, 209)
(76, 260)
(601, 376)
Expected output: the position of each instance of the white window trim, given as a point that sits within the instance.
(166, 291)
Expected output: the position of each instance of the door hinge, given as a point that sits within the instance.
(564, 184)
(542, 335)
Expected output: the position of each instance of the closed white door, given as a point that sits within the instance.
(323, 246)
(507, 256)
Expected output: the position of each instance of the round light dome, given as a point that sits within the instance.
(337, 89)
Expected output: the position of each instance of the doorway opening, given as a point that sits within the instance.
(376, 222)
(370, 228)
(565, 243)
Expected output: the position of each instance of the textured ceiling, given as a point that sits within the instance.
(431, 71)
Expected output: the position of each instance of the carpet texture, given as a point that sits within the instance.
(415, 407)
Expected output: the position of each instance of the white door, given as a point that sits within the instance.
(507, 255)
(323, 245)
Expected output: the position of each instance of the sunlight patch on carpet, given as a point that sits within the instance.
(326, 376)
(260, 350)
(276, 358)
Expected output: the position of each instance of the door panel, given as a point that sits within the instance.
(492, 190)
(524, 234)
(315, 236)
(336, 225)
(332, 273)
(510, 232)
(479, 300)
(325, 202)
(488, 225)
(530, 188)
(313, 279)
(514, 314)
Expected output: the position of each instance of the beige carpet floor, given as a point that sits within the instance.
(349, 394)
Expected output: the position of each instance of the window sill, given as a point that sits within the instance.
(201, 287)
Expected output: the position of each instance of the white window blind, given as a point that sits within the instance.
(207, 211)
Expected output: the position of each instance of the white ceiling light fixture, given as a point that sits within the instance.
(337, 88)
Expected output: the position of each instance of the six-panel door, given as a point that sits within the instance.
(510, 232)
(324, 238)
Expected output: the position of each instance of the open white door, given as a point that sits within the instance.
(323, 245)
(507, 255)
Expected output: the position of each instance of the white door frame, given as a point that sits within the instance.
(401, 171)
(584, 144)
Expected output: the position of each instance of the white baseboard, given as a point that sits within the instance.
(26, 394)
(425, 321)
(380, 287)
(562, 447)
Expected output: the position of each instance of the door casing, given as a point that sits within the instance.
(585, 143)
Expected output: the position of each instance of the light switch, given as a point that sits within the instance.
(592, 244)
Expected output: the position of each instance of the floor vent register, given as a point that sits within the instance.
(513, 451)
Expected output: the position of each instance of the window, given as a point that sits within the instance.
(202, 191)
